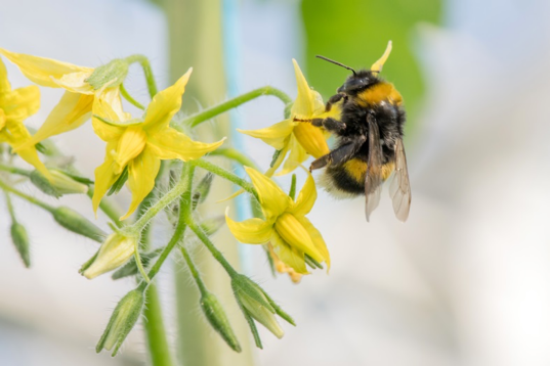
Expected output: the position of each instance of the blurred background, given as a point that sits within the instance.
(464, 282)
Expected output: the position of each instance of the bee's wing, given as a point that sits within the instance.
(400, 186)
(373, 178)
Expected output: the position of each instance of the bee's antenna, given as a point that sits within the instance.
(336, 63)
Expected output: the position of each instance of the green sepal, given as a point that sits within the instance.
(292, 192)
(201, 191)
(212, 225)
(109, 75)
(216, 316)
(21, 241)
(276, 155)
(117, 186)
(131, 268)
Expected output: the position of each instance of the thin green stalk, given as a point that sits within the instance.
(211, 247)
(11, 211)
(225, 174)
(129, 98)
(147, 70)
(212, 112)
(193, 270)
(26, 197)
(15, 170)
(139, 263)
(159, 349)
(235, 155)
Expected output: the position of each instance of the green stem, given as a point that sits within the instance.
(15, 170)
(129, 98)
(193, 270)
(225, 174)
(146, 66)
(235, 155)
(9, 203)
(139, 263)
(211, 112)
(211, 247)
(26, 197)
(159, 348)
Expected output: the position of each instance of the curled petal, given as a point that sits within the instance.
(76, 82)
(272, 199)
(377, 66)
(306, 198)
(165, 105)
(41, 70)
(141, 178)
(104, 176)
(112, 97)
(171, 144)
(303, 107)
(317, 239)
(17, 135)
(105, 131)
(71, 112)
(295, 235)
(251, 231)
(276, 135)
(130, 145)
(21, 103)
(290, 256)
(296, 157)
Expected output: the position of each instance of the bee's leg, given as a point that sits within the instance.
(334, 99)
(329, 124)
(339, 155)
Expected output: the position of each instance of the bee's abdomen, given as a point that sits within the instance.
(347, 179)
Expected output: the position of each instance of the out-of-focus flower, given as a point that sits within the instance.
(297, 139)
(285, 226)
(83, 85)
(140, 145)
(114, 252)
(281, 267)
(59, 183)
(16, 106)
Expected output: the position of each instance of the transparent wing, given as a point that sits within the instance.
(400, 186)
(373, 178)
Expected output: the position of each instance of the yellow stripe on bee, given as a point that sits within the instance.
(357, 169)
(378, 93)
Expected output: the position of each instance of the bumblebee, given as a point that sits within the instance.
(369, 136)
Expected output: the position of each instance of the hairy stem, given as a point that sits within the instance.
(147, 70)
(129, 98)
(26, 197)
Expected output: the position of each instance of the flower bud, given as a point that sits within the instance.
(122, 321)
(202, 190)
(114, 252)
(216, 316)
(109, 75)
(59, 184)
(21, 242)
(75, 222)
(255, 304)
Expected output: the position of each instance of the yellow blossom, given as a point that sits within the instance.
(76, 104)
(297, 139)
(141, 145)
(285, 226)
(16, 106)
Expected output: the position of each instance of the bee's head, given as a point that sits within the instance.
(359, 81)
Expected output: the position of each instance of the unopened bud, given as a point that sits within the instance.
(122, 321)
(202, 190)
(21, 242)
(255, 304)
(75, 222)
(216, 316)
(109, 75)
(59, 184)
(114, 252)
(211, 226)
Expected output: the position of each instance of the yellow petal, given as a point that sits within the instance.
(21, 103)
(130, 145)
(41, 70)
(105, 176)
(4, 82)
(296, 157)
(71, 112)
(251, 231)
(17, 136)
(312, 139)
(377, 66)
(306, 198)
(112, 97)
(276, 135)
(317, 239)
(142, 172)
(303, 107)
(290, 256)
(295, 235)
(2, 119)
(272, 199)
(171, 144)
(76, 82)
(105, 131)
(165, 104)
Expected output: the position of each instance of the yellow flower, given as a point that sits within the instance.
(285, 226)
(141, 145)
(76, 104)
(16, 106)
(297, 139)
